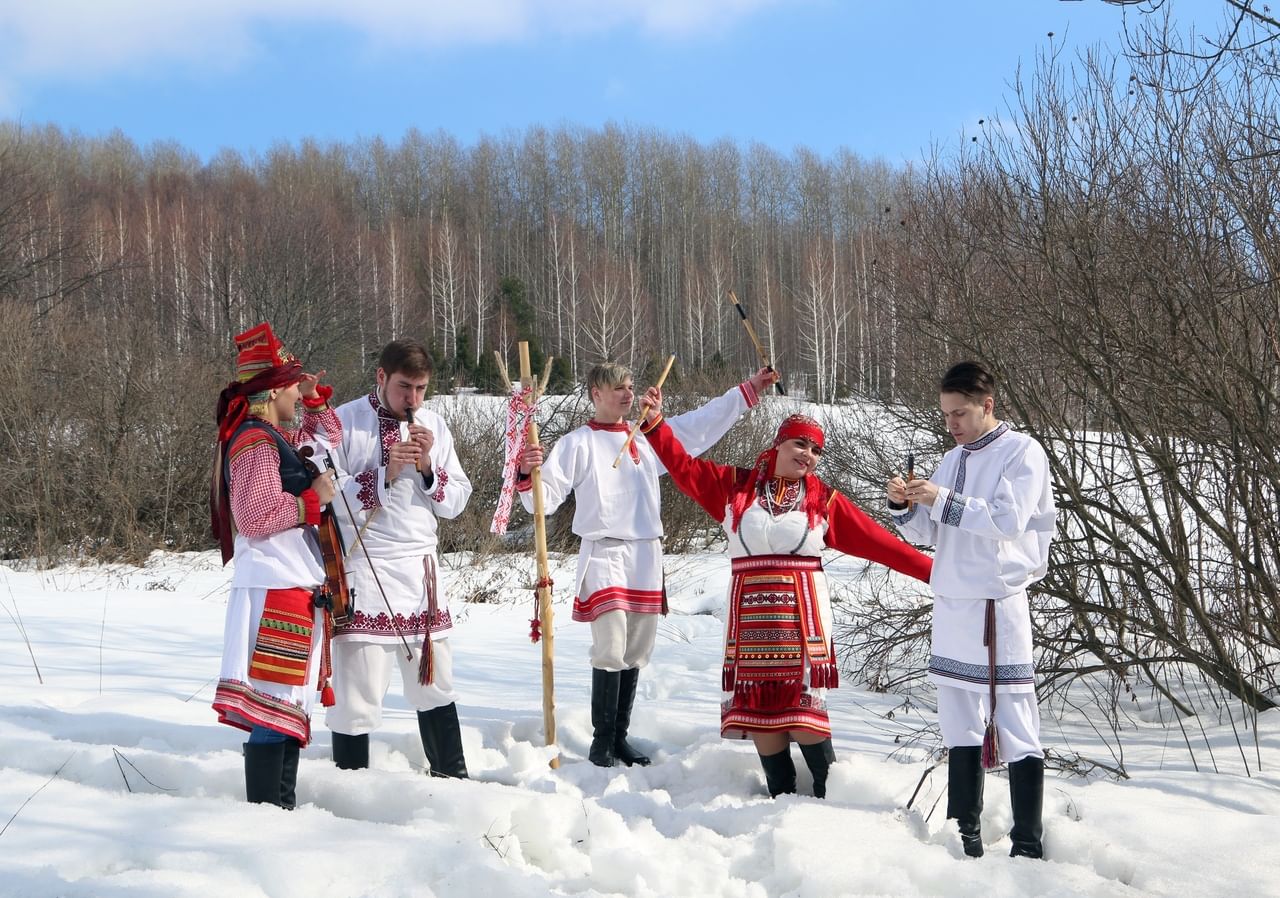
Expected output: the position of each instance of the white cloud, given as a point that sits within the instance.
(85, 39)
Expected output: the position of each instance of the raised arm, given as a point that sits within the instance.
(700, 429)
(705, 482)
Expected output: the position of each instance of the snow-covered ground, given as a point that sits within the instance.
(116, 780)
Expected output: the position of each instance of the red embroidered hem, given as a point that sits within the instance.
(240, 705)
(618, 598)
(809, 715)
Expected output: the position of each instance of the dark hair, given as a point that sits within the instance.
(405, 357)
(969, 378)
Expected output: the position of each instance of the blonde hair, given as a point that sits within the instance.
(606, 376)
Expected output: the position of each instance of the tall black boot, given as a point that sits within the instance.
(442, 741)
(351, 752)
(263, 762)
(779, 772)
(289, 774)
(965, 779)
(819, 756)
(1026, 793)
(622, 750)
(604, 715)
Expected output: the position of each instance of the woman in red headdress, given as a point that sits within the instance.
(265, 504)
(779, 659)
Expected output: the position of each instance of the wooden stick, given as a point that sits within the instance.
(751, 332)
(636, 429)
(502, 369)
(544, 571)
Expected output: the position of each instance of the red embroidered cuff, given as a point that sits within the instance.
(749, 393)
(524, 483)
(650, 425)
(309, 507)
(323, 393)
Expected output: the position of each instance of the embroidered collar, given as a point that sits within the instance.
(620, 427)
(382, 411)
(984, 442)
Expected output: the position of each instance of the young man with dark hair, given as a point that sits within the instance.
(989, 510)
(399, 474)
(619, 589)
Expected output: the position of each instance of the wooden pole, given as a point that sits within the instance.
(751, 332)
(640, 420)
(544, 571)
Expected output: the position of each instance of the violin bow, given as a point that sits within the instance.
(359, 532)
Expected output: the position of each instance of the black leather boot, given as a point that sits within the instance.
(964, 795)
(604, 715)
(442, 741)
(779, 772)
(351, 752)
(289, 774)
(1026, 793)
(819, 757)
(622, 750)
(263, 762)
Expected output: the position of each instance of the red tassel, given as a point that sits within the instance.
(990, 747)
(535, 629)
(326, 695)
(426, 666)
(726, 678)
(824, 676)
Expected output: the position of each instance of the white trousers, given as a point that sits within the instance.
(962, 716)
(621, 640)
(362, 674)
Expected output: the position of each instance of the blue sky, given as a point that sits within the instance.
(881, 77)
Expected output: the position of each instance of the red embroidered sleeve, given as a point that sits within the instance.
(368, 493)
(259, 504)
(442, 480)
(853, 532)
(705, 482)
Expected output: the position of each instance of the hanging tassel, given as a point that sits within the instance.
(990, 740)
(326, 695)
(426, 666)
(990, 747)
(535, 622)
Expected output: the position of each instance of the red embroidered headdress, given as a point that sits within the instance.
(262, 364)
(796, 426)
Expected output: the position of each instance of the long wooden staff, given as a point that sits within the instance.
(636, 427)
(751, 332)
(540, 550)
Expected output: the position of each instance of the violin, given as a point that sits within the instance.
(334, 591)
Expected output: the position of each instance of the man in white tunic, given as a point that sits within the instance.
(989, 510)
(619, 584)
(399, 474)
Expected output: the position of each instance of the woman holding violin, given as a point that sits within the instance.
(266, 504)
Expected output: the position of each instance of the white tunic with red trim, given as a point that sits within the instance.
(618, 513)
(402, 524)
(992, 523)
(275, 548)
(777, 582)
